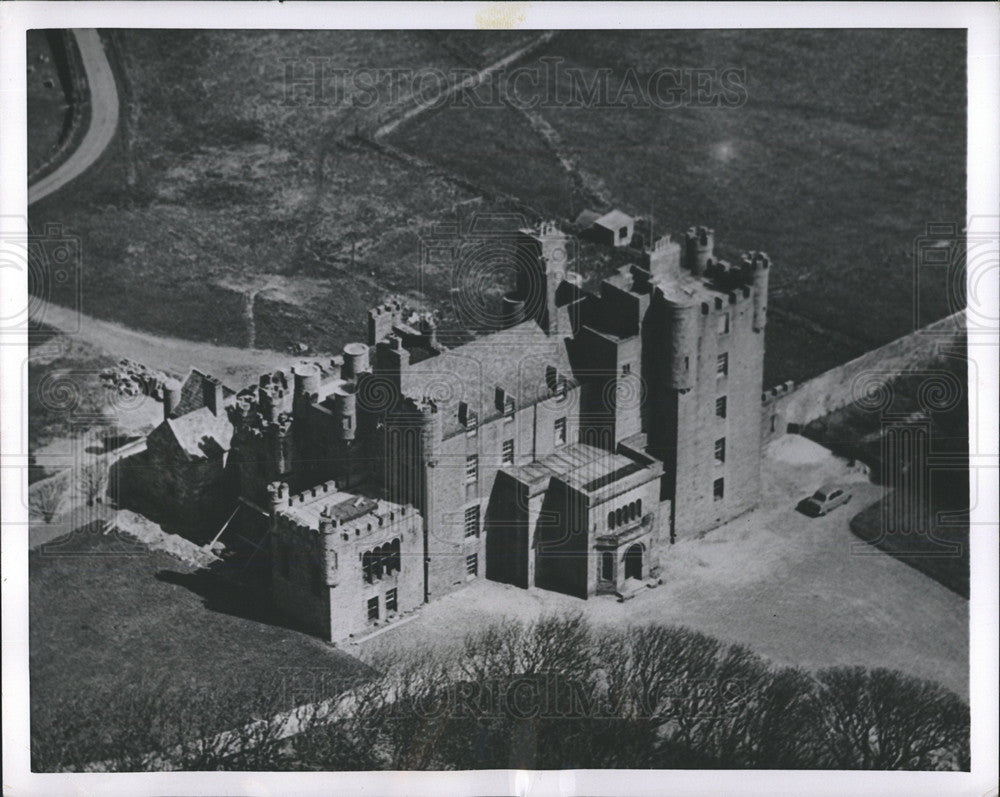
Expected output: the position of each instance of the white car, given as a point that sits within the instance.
(825, 499)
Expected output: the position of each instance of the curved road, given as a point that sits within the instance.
(103, 116)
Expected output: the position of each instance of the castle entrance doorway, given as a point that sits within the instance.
(633, 562)
(608, 566)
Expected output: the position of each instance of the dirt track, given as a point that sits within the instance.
(235, 367)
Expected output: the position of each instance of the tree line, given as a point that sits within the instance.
(549, 694)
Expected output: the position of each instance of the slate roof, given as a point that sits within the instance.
(192, 395)
(200, 434)
(514, 359)
(614, 220)
(585, 468)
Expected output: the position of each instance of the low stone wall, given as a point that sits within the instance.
(789, 406)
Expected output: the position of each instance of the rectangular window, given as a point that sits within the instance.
(471, 468)
(720, 450)
(391, 604)
(472, 564)
(626, 369)
(472, 521)
(509, 408)
(724, 324)
(560, 430)
(471, 424)
(719, 489)
(722, 365)
(774, 422)
(507, 456)
(373, 608)
(720, 407)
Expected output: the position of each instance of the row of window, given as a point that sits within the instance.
(391, 604)
(625, 514)
(384, 560)
(507, 451)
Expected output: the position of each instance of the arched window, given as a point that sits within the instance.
(618, 517)
(392, 562)
(611, 519)
(638, 507)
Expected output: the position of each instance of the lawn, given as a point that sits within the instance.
(833, 165)
(47, 104)
(113, 623)
(926, 523)
(215, 184)
(217, 195)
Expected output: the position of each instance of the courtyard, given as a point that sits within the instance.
(801, 591)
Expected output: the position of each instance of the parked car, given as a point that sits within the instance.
(825, 499)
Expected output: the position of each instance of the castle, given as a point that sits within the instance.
(565, 451)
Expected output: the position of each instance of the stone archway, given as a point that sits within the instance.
(633, 561)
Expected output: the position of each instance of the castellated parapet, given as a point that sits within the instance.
(344, 562)
(399, 470)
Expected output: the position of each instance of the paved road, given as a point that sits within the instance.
(103, 117)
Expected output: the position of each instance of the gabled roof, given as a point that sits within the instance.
(514, 359)
(614, 220)
(192, 393)
(201, 434)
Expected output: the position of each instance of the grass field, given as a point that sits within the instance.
(217, 194)
(932, 534)
(110, 617)
(833, 166)
(47, 104)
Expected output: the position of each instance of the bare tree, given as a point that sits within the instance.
(92, 481)
(46, 497)
(882, 719)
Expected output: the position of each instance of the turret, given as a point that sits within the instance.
(665, 258)
(171, 397)
(761, 270)
(355, 360)
(699, 244)
(307, 377)
(430, 431)
(381, 320)
(279, 444)
(683, 326)
(277, 494)
(345, 408)
(542, 258)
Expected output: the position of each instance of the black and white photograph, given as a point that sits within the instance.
(500, 398)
